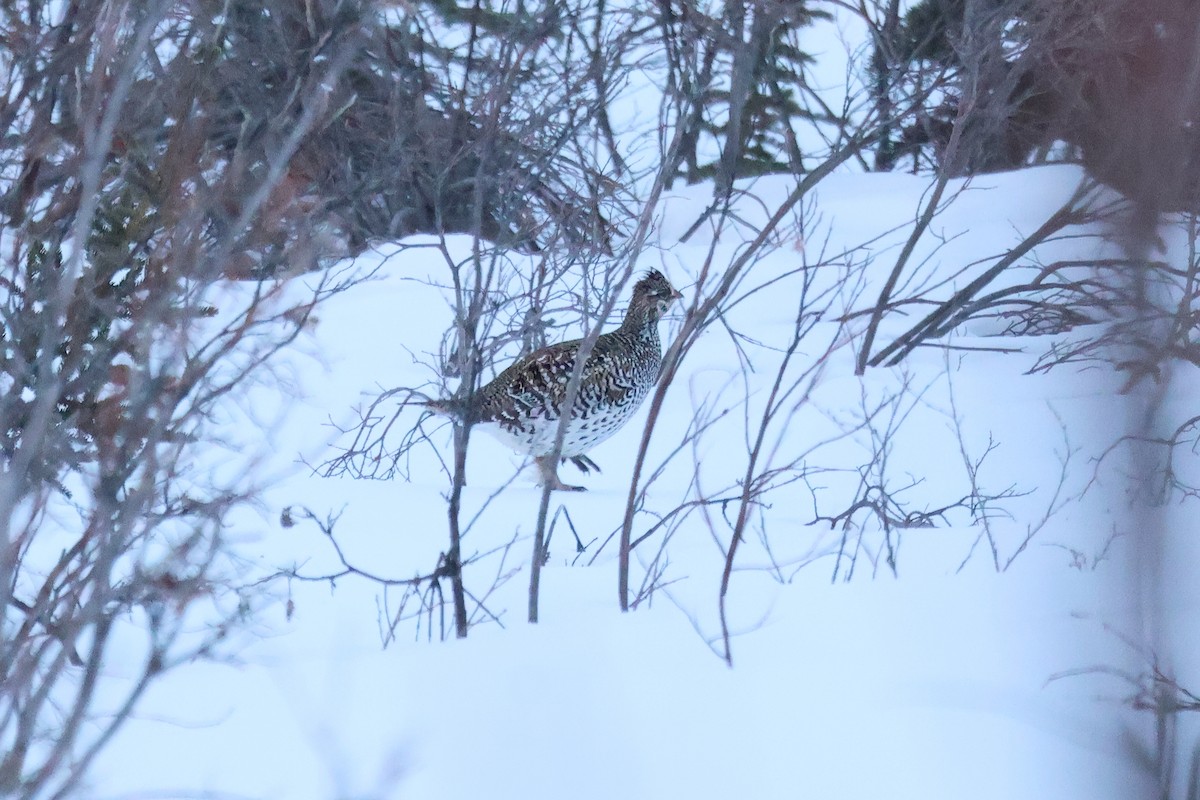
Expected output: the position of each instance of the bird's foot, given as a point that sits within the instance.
(550, 476)
(584, 464)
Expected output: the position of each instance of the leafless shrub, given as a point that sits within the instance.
(1083, 207)
(128, 204)
(1154, 689)
(1080, 79)
(422, 597)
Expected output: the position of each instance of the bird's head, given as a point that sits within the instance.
(654, 293)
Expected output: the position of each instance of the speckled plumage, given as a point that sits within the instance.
(522, 406)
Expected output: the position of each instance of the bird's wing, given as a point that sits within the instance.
(532, 385)
(538, 383)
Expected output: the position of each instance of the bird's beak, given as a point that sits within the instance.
(676, 295)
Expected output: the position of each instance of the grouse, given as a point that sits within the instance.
(522, 406)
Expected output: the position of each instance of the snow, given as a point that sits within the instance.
(947, 678)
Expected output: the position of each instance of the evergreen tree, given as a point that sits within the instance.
(746, 97)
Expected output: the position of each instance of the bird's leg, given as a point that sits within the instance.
(549, 470)
(584, 464)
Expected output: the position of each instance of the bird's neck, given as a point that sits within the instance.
(641, 323)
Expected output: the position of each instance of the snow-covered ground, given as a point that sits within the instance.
(942, 678)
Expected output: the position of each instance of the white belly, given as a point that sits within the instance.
(536, 436)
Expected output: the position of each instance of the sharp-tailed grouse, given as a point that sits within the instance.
(522, 406)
